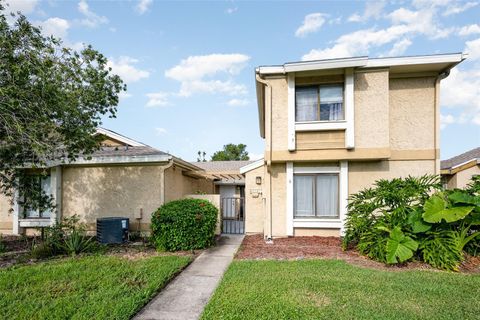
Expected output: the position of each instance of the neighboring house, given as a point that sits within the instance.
(333, 127)
(458, 171)
(124, 178)
(230, 185)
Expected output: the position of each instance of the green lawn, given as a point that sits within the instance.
(93, 287)
(333, 289)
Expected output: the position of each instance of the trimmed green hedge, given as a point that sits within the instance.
(184, 224)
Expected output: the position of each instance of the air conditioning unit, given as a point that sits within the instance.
(112, 230)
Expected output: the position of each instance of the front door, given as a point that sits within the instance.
(232, 207)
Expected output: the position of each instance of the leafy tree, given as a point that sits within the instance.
(52, 99)
(231, 152)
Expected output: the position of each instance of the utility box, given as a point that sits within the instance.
(112, 230)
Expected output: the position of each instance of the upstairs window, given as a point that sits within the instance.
(319, 103)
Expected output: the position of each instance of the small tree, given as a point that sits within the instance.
(52, 99)
(231, 152)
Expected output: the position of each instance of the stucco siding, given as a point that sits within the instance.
(412, 113)
(363, 174)
(371, 109)
(254, 201)
(6, 216)
(462, 178)
(279, 114)
(93, 192)
(279, 200)
(177, 185)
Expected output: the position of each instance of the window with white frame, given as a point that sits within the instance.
(316, 195)
(43, 184)
(319, 103)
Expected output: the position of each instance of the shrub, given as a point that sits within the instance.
(402, 219)
(66, 237)
(185, 224)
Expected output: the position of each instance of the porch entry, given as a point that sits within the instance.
(232, 206)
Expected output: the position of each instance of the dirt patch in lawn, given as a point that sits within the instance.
(254, 247)
(135, 251)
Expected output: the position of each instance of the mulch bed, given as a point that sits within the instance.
(254, 247)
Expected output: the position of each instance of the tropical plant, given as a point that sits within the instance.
(402, 219)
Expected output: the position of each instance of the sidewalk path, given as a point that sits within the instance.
(185, 297)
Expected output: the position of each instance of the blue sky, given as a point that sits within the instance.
(189, 66)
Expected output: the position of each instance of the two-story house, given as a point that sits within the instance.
(333, 127)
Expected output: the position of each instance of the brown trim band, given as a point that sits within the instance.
(356, 154)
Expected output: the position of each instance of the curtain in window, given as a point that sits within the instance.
(306, 103)
(303, 194)
(327, 195)
(331, 103)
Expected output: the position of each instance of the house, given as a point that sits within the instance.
(230, 185)
(331, 128)
(458, 171)
(123, 178)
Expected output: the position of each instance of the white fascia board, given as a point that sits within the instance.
(251, 166)
(428, 59)
(326, 64)
(120, 138)
(265, 70)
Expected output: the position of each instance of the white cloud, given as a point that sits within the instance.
(373, 9)
(56, 27)
(461, 91)
(311, 23)
(445, 120)
(473, 49)
(91, 19)
(405, 24)
(196, 72)
(161, 131)
(456, 8)
(469, 30)
(143, 6)
(24, 6)
(124, 95)
(157, 99)
(231, 10)
(238, 102)
(124, 67)
(400, 47)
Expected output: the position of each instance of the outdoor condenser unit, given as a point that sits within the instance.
(112, 230)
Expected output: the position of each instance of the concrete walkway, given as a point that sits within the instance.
(185, 297)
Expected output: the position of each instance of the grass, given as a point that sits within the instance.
(333, 289)
(91, 287)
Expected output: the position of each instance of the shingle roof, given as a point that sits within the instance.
(127, 151)
(222, 166)
(462, 158)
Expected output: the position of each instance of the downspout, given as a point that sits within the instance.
(162, 181)
(269, 157)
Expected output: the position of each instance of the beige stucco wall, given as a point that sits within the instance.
(412, 113)
(364, 174)
(254, 201)
(6, 216)
(92, 192)
(178, 184)
(462, 178)
(371, 109)
(307, 232)
(279, 200)
(279, 114)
